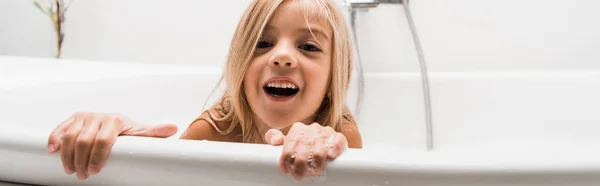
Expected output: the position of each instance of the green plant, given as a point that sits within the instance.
(55, 9)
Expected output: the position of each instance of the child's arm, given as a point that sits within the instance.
(350, 131)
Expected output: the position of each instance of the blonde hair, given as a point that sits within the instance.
(233, 106)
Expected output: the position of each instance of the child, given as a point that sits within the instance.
(287, 75)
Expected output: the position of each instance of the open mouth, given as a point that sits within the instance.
(281, 89)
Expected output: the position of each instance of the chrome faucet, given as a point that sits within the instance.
(364, 5)
(357, 4)
(353, 7)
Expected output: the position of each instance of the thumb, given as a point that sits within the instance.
(274, 137)
(159, 131)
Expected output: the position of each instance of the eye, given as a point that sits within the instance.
(263, 44)
(309, 47)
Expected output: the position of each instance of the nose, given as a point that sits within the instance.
(283, 57)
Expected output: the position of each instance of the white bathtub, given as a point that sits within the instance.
(37, 94)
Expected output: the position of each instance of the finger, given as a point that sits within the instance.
(83, 146)
(289, 146)
(338, 144)
(68, 146)
(105, 139)
(159, 131)
(319, 158)
(274, 137)
(329, 136)
(317, 151)
(57, 134)
(304, 152)
(288, 153)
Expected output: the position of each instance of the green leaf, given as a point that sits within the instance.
(40, 7)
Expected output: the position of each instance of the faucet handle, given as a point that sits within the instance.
(363, 3)
(371, 3)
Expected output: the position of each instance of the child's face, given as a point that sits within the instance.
(289, 72)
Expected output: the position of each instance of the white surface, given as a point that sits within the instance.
(492, 35)
(12, 184)
(385, 41)
(517, 110)
(174, 32)
(54, 89)
(36, 94)
(512, 74)
(151, 161)
(187, 32)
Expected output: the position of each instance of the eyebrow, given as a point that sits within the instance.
(315, 30)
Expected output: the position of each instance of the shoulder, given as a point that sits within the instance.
(205, 128)
(350, 130)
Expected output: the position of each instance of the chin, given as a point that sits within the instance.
(277, 120)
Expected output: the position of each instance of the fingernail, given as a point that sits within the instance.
(298, 177)
(81, 176)
(69, 171)
(92, 171)
(331, 152)
(51, 148)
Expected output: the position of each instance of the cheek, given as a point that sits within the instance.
(318, 78)
(251, 79)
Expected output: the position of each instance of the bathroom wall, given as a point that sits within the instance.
(177, 32)
(514, 35)
(174, 32)
(512, 74)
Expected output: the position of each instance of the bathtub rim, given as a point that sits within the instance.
(396, 161)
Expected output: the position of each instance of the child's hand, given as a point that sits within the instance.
(86, 140)
(306, 148)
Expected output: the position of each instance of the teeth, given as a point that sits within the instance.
(282, 85)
